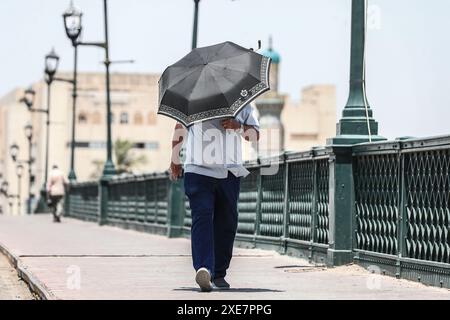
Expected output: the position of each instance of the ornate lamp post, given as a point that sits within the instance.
(357, 124)
(4, 188)
(4, 191)
(73, 25)
(72, 18)
(29, 134)
(28, 97)
(51, 66)
(28, 100)
(14, 152)
(19, 172)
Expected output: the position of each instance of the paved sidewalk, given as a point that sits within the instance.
(80, 260)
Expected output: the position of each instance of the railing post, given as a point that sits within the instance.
(341, 201)
(66, 202)
(103, 197)
(286, 203)
(258, 201)
(402, 218)
(175, 209)
(314, 211)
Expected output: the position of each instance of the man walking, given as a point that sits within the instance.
(56, 189)
(212, 172)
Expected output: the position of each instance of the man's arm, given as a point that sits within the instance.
(179, 136)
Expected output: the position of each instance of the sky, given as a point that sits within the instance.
(408, 47)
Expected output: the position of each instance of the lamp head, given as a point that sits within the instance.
(72, 22)
(14, 151)
(51, 65)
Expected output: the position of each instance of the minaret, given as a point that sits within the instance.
(269, 106)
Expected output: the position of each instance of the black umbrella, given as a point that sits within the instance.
(212, 82)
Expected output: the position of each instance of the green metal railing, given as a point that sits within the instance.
(402, 202)
(139, 202)
(84, 201)
(384, 204)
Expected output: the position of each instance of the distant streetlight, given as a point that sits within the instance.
(28, 131)
(28, 97)
(4, 188)
(19, 172)
(14, 151)
(29, 134)
(51, 65)
(72, 18)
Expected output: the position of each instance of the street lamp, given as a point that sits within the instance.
(357, 124)
(29, 134)
(51, 65)
(14, 151)
(28, 131)
(72, 23)
(72, 18)
(4, 188)
(19, 172)
(28, 97)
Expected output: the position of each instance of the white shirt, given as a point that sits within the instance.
(213, 151)
(56, 182)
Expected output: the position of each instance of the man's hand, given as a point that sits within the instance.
(175, 171)
(231, 124)
(179, 135)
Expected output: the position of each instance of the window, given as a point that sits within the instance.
(138, 119)
(82, 117)
(112, 117)
(96, 117)
(151, 120)
(123, 118)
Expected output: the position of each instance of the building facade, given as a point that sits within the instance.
(134, 105)
(134, 118)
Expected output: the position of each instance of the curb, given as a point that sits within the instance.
(36, 286)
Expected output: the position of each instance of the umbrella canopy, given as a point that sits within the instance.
(212, 82)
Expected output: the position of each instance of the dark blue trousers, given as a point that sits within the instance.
(214, 211)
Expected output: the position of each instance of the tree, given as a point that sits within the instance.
(126, 160)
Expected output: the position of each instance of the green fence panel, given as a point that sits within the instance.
(272, 203)
(248, 202)
(83, 201)
(427, 225)
(377, 195)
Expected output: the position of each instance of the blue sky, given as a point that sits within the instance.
(408, 67)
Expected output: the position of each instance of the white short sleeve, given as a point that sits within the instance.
(248, 117)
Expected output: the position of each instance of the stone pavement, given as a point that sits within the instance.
(11, 287)
(81, 260)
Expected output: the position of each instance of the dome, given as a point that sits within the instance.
(272, 54)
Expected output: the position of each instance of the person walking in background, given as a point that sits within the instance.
(212, 172)
(56, 186)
